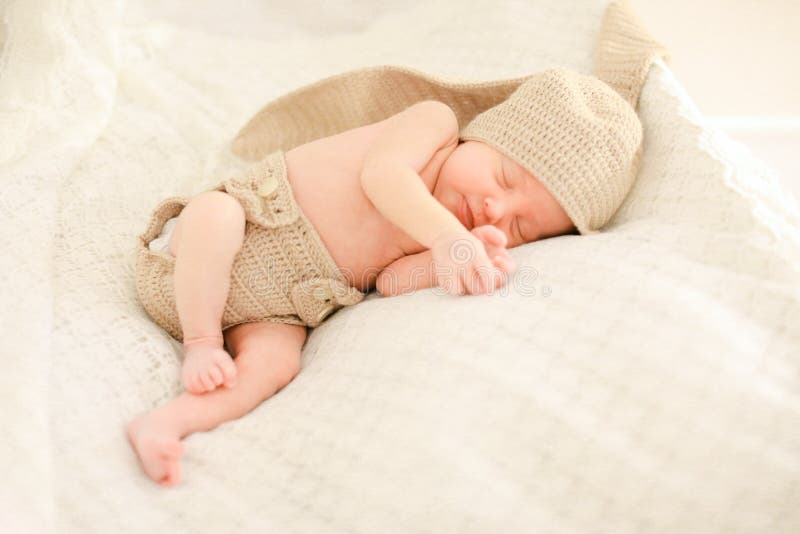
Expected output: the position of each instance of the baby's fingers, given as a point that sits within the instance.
(504, 263)
(490, 235)
(485, 279)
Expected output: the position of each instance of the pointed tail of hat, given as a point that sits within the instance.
(625, 50)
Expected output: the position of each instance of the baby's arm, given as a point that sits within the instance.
(406, 274)
(390, 179)
(390, 176)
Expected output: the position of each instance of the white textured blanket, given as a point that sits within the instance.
(643, 380)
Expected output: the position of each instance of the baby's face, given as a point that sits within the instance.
(498, 191)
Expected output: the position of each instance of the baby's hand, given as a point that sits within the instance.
(462, 266)
(494, 240)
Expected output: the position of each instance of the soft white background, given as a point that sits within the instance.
(738, 60)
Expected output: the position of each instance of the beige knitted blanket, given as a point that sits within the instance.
(643, 380)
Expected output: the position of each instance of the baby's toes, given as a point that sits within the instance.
(173, 449)
(172, 474)
(171, 454)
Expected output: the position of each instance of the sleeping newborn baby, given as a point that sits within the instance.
(240, 271)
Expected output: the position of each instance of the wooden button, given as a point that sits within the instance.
(268, 186)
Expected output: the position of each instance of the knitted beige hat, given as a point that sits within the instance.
(575, 134)
(572, 132)
(580, 135)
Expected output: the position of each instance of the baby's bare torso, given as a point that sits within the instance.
(325, 177)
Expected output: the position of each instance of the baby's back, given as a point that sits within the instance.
(326, 178)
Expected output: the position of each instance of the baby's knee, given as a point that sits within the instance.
(217, 207)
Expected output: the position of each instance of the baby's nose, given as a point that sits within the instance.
(493, 210)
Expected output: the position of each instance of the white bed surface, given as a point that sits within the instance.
(645, 379)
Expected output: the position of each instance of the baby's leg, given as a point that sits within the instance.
(267, 359)
(208, 235)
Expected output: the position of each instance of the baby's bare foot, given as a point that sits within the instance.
(159, 449)
(206, 367)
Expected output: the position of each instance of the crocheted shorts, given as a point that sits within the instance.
(283, 272)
